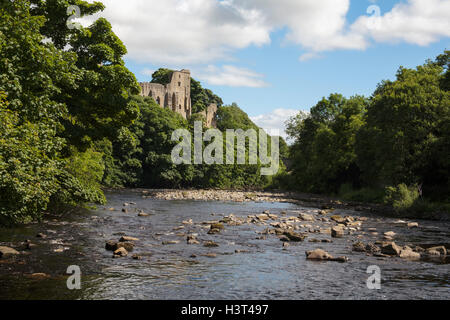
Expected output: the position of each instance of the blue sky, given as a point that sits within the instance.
(275, 57)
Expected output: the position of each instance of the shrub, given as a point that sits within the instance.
(402, 197)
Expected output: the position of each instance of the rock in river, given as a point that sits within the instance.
(338, 219)
(337, 232)
(121, 252)
(318, 254)
(408, 253)
(125, 238)
(210, 244)
(390, 248)
(112, 245)
(306, 217)
(293, 236)
(359, 247)
(390, 234)
(322, 255)
(437, 251)
(6, 252)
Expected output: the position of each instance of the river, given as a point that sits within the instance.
(247, 265)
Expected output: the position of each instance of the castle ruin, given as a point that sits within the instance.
(176, 96)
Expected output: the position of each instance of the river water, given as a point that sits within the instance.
(247, 265)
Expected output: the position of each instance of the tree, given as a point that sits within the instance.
(99, 101)
(406, 124)
(323, 152)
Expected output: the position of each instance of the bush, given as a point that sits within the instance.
(402, 197)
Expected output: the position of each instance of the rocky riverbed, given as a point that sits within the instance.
(225, 245)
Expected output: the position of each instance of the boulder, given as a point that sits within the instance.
(121, 252)
(371, 248)
(129, 246)
(306, 217)
(434, 250)
(339, 259)
(41, 235)
(210, 244)
(6, 252)
(126, 238)
(391, 249)
(111, 245)
(359, 247)
(293, 236)
(214, 231)
(408, 253)
(193, 241)
(413, 225)
(390, 234)
(143, 214)
(337, 232)
(318, 254)
(338, 219)
(263, 217)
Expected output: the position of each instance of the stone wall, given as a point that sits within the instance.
(210, 115)
(176, 96)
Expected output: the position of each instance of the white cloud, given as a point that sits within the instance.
(419, 22)
(180, 32)
(275, 120)
(231, 76)
(189, 32)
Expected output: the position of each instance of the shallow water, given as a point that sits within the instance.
(264, 271)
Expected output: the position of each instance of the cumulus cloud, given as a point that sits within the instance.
(275, 120)
(180, 32)
(231, 76)
(418, 22)
(189, 32)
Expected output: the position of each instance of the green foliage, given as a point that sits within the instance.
(402, 197)
(63, 95)
(162, 76)
(232, 117)
(28, 172)
(81, 179)
(323, 153)
(406, 136)
(150, 146)
(201, 98)
(400, 136)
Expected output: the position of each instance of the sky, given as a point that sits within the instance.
(276, 57)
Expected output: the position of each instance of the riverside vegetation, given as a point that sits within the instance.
(72, 123)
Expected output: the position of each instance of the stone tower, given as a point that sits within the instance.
(175, 95)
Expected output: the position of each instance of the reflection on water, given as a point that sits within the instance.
(262, 271)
